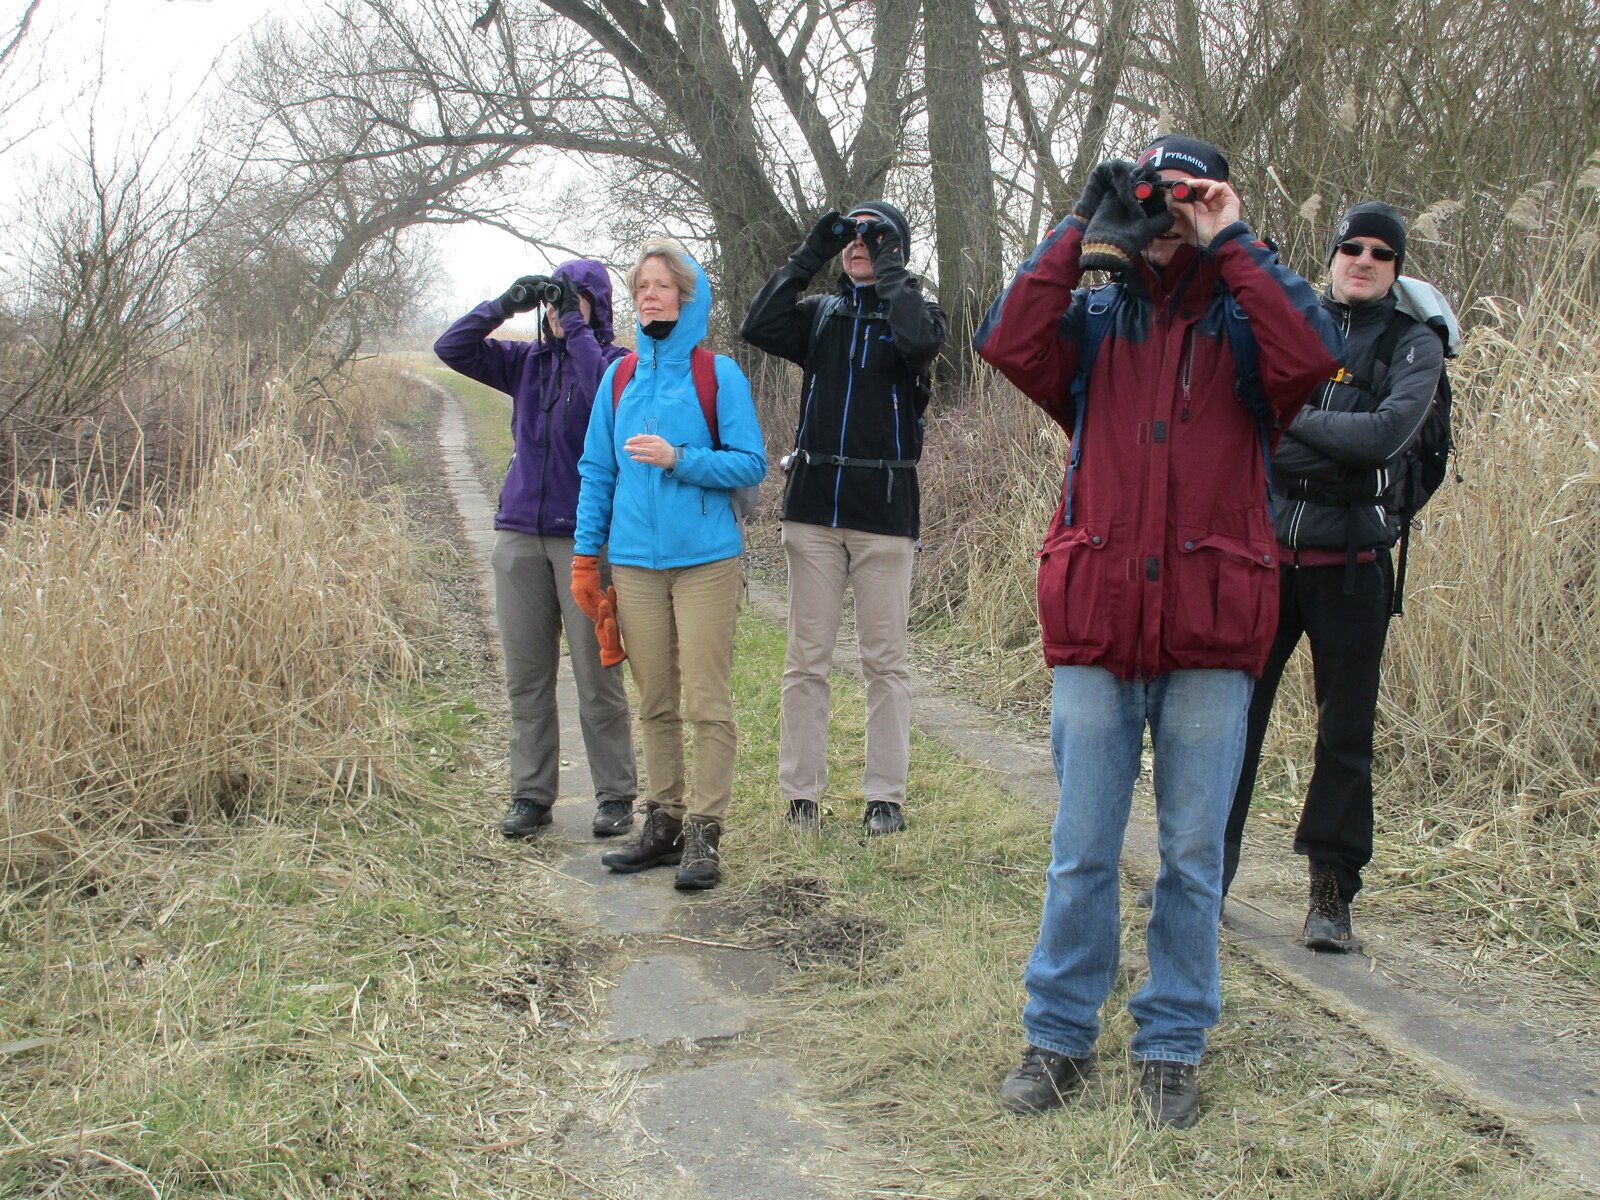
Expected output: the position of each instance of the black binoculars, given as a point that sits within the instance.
(1182, 191)
(539, 290)
(842, 227)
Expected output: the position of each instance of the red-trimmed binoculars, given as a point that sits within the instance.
(1182, 190)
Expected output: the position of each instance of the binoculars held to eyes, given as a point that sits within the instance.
(1182, 191)
(859, 229)
(538, 289)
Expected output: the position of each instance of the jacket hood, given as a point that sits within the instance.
(594, 281)
(693, 321)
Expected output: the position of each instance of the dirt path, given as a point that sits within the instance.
(688, 1018)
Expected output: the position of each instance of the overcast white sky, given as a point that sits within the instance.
(137, 60)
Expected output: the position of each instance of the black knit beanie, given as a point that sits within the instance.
(1374, 219)
(1174, 152)
(882, 210)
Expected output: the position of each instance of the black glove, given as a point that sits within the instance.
(1101, 180)
(569, 295)
(1121, 227)
(831, 234)
(523, 295)
(882, 241)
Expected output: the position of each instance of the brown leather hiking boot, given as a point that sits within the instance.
(701, 860)
(660, 844)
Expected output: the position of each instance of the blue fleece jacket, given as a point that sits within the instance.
(650, 517)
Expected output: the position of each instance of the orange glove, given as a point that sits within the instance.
(586, 584)
(605, 628)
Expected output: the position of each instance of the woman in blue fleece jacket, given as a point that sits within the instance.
(656, 491)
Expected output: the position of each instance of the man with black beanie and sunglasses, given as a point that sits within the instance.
(1336, 578)
(1157, 580)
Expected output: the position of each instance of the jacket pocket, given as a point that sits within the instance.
(1223, 597)
(1073, 588)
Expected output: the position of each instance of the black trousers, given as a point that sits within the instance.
(1347, 633)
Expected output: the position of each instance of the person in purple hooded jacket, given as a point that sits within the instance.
(551, 382)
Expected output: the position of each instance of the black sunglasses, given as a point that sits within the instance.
(1379, 253)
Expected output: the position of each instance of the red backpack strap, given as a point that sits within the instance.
(619, 378)
(703, 366)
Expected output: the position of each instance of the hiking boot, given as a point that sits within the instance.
(882, 816)
(700, 869)
(660, 843)
(612, 817)
(525, 817)
(1328, 921)
(1168, 1094)
(805, 816)
(1042, 1080)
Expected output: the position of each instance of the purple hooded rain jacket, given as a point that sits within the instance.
(551, 383)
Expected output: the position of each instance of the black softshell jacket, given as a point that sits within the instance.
(859, 397)
(1337, 457)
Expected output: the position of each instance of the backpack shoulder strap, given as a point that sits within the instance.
(626, 365)
(1100, 310)
(1247, 379)
(703, 366)
(829, 305)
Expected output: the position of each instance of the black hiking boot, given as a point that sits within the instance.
(701, 860)
(1042, 1080)
(1328, 921)
(612, 817)
(881, 817)
(805, 816)
(1168, 1094)
(660, 843)
(525, 817)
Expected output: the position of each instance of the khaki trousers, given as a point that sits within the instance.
(678, 627)
(877, 568)
(533, 600)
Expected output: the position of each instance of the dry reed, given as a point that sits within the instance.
(159, 664)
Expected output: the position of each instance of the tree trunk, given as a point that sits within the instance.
(963, 184)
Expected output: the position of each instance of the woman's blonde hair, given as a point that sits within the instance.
(677, 260)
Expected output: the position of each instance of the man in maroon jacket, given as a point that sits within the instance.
(1157, 579)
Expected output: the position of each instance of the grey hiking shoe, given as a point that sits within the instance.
(1168, 1094)
(1042, 1080)
(612, 817)
(1328, 920)
(805, 816)
(525, 817)
(881, 817)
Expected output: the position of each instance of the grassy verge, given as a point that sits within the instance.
(913, 996)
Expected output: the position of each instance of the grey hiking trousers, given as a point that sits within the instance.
(533, 600)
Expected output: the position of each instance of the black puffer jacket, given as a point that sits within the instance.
(1331, 468)
(859, 399)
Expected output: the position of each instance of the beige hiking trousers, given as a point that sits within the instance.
(877, 569)
(678, 628)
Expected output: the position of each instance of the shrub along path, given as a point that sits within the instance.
(1311, 1088)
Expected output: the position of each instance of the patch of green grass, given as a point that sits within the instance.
(913, 1041)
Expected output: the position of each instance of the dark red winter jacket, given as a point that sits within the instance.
(1170, 562)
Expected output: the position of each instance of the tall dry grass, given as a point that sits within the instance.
(1489, 730)
(170, 662)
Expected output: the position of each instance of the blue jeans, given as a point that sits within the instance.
(1097, 723)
